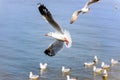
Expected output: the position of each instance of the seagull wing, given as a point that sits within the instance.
(74, 16)
(90, 2)
(55, 47)
(48, 16)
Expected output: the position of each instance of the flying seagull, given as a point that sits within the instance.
(85, 9)
(62, 36)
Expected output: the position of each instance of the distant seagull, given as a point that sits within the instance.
(95, 59)
(62, 36)
(104, 74)
(33, 77)
(65, 70)
(105, 66)
(73, 78)
(88, 64)
(113, 62)
(97, 70)
(43, 66)
(85, 9)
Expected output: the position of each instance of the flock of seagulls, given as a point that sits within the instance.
(103, 70)
(63, 38)
(43, 67)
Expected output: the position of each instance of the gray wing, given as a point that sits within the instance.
(90, 2)
(54, 48)
(74, 16)
(48, 16)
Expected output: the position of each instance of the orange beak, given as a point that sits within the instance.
(66, 41)
(46, 35)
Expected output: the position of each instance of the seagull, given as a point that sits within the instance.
(113, 62)
(62, 36)
(105, 66)
(68, 78)
(97, 70)
(85, 9)
(95, 59)
(104, 74)
(88, 64)
(65, 70)
(43, 66)
(31, 76)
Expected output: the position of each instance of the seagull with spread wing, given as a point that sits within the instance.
(85, 9)
(62, 36)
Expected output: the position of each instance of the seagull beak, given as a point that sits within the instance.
(46, 35)
(66, 41)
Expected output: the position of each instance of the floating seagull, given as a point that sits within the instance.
(65, 70)
(62, 36)
(104, 74)
(68, 78)
(113, 62)
(105, 66)
(97, 70)
(88, 64)
(33, 77)
(95, 59)
(43, 66)
(85, 9)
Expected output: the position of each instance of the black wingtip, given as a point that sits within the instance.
(42, 9)
(49, 52)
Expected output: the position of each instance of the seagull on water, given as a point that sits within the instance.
(89, 64)
(95, 59)
(43, 66)
(65, 70)
(62, 36)
(31, 76)
(113, 62)
(104, 75)
(97, 70)
(85, 9)
(73, 78)
(105, 66)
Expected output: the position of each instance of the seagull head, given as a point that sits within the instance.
(49, 34)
